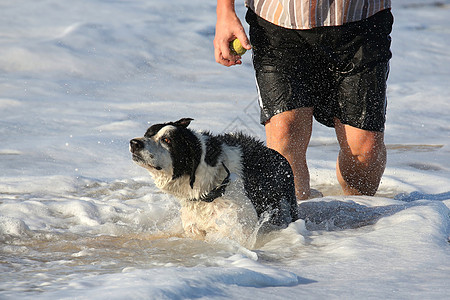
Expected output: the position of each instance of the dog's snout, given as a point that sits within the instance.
(136, 145)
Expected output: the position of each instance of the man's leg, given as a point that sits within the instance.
(289, 134)
(361, 161)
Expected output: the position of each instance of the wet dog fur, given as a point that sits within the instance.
(220, 180)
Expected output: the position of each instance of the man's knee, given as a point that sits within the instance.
(365, 146)
(369, 149)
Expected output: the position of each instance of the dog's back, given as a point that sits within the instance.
(268, 179)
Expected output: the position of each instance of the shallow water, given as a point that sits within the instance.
(43, 260)
(113, 227)
(78, 219)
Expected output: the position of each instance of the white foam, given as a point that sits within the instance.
(11, 227)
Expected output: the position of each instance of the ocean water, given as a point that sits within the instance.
(78, 219)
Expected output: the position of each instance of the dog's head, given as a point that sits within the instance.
(168, 150)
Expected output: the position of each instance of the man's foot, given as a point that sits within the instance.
(315, 194)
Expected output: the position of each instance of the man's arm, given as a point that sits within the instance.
(228, 28)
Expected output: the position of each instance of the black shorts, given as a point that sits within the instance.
(340, 71)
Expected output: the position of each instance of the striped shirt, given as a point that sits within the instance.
(307, 14)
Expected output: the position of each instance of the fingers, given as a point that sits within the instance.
(228, 62)
(242, 37)
(235, 60)
(223, 54)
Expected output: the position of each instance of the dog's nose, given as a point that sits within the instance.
(136, 144)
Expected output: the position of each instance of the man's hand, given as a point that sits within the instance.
(228, 28)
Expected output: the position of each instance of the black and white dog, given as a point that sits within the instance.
(220, 180)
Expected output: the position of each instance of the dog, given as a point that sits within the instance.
(220, 180)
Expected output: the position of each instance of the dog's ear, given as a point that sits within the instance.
(183, 122)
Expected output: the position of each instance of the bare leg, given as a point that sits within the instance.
(289, 134)
(361, 161)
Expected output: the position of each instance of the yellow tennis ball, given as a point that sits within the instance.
(236, 48)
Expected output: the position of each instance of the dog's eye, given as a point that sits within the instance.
(167, 141)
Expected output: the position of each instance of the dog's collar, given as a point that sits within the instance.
(218, 191)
